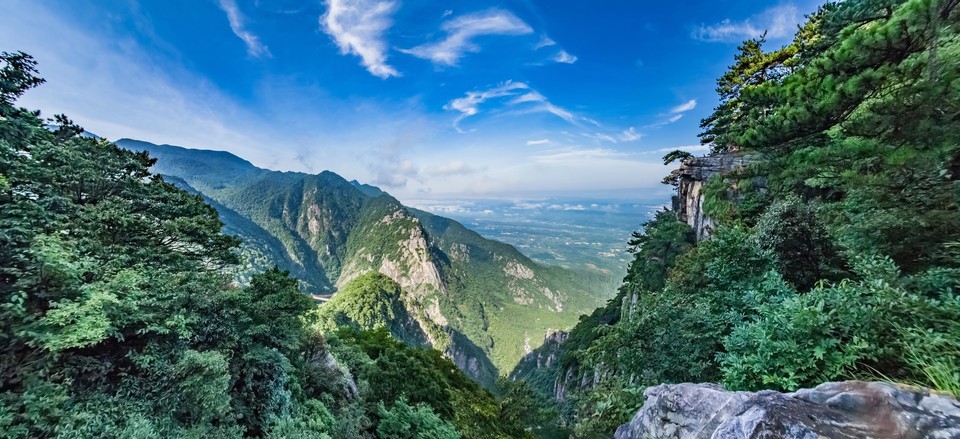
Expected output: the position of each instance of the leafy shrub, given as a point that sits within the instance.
(791, 230)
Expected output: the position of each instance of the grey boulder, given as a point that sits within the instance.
(850, 409)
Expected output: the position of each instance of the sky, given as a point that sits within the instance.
(428, 100)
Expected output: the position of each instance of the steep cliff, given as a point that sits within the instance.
(692, 177)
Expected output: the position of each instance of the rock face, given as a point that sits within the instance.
(850, 409)
(693, 175)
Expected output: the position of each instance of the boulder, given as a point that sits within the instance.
(850, 409)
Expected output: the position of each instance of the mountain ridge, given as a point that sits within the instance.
(474, 298)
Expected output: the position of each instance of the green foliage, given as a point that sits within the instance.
(675, 155)
(402, 421)
(656, 250)
(791, 230)
(835, 255)
(606, 406)
(310, 420)
(418, 391)
(848, 329)
(118, 318)
(370, 301)
(17, 75)
(523, 411)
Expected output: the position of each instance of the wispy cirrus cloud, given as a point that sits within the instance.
(684, 107)
(600, 137)
(255, 48)
(358, 28)
(675, 114)
(526, 99)
(469, 104)
(778, 22)
(461, 32)
(545, 41)
(564, 57)
(539, 142)
(575, 154)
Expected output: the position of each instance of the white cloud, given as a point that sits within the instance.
(545, 41)
(526, 205)
(684, 107)
(565, 58)
(675, 118)
(254, 47)
(538, 142)
(461, 31)
(557, 111)
(456, 167)
(600, 137)
(566, 206)
(778, 22)
(468, 105)
(532, 96)
(398, 175)
(630, 135)
(358, 28)
(446, 13)
(576, 154)
(104, 91)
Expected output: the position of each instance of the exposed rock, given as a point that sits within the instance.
(693, 175)
(850, 409)
(336, 374)
(433, 312)
(389, 219)
(561, 385)
(555, 297)
(556, 338)
(518, 270)
(416, 270)
(460, 252)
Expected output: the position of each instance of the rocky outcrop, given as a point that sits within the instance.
(693, 175)
(336, 375)
(850, 409)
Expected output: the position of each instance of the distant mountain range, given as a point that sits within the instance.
(482, 302)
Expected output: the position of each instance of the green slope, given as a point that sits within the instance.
(480, 301)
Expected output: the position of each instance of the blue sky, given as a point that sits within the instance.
(428, 100)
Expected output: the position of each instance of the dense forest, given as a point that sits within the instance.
(834, 254)
(120, 319)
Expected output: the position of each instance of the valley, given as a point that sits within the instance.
(574, 233)
(480, 301)
(529, 243)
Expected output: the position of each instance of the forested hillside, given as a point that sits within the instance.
(481, 302)
(119, 317)
(832, 254)
(819, 241)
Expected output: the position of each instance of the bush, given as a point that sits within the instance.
(791, 230)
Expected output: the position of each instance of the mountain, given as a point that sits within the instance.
(481, 302)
